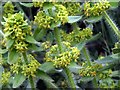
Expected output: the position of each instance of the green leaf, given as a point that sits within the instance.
(7, 34)
(93, 19)
(42, 75)
(73, 19)
(114, 58)
(13, 56)
(35, 48)
(80, 45)
(50, 37)
(86, 79)
(74, 67)
(39, 34)
(5, 19)
(47, 6)
(47, 67)
(51, 85)
(3, 23)
(18, 80)
(113, 5)
(115, 74)
(9, 43)
(31, 39)
(95, 37)
(2, 51)
(57, 24)
(27, 4)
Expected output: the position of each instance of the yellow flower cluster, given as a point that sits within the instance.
(73, 8)
(107, 83)
(89, 70)
(97, 9)
(5, 77)
(31, 68)
(61, 60)
(8, 8)
(76, 37)
(27, 69)
(105, 74)
(117, 45)
(17, 29)
(44, 20)
(37, 3)
(45, 45)
(16, 67)
(61, 13)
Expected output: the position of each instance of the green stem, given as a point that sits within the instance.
(32, 83)
(58, 38)
(75, 27)
(86, 54)
(25, 57)
(30, 79)
(67, 71)
(70, 78)
(112, 24)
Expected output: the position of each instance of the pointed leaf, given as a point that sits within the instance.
(30, 39)
(73, 19)
(114, 58)
(86, 79)
(74, 67)
(115, 74)
(7, 34)
(95, 37)
(42, 75)
(5, 19)
(35, 48)
(18, 80)
(94, 19)
(9, 43)
(80, 45)
(27, 4)
(13, 56)
(47, 67)
(47, 6)
(114, 5)
(51, 85)
(40, 34)
(2, 51)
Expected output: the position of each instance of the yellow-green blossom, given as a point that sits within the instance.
(45, 20)
(76, 37)
(18, 29)
(31, 68)
(8, 8)
(61, 60)
(73, 8)
(45, 45)
(90, 70)
(5, 77)
(97, 9)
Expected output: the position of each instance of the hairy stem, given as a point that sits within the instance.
(86, 54)
(32, 83)
(67, 71)
(58, 38)
(30, 79)
(70, 78)
(112, 24)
